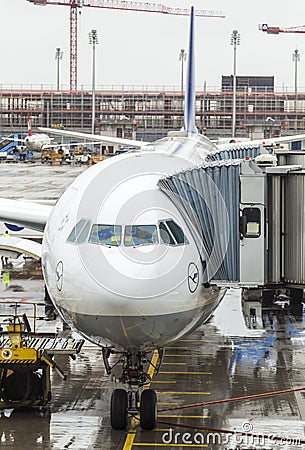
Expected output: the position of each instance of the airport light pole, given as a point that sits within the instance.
(58, 57)
(235, 40)
(295, 59)
(93, 40)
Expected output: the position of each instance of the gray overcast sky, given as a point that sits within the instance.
(142, 48)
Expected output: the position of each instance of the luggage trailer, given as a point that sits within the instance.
(27, 356)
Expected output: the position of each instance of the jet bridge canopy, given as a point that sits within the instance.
(247, 218)
(209, 197)
(237, 151)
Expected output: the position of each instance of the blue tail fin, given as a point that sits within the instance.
(190, 95)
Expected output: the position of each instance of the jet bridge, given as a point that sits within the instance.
(248, 218)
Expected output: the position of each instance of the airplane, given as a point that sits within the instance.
(120, 261)
(42, 141)
(37, 141)
(34, 142)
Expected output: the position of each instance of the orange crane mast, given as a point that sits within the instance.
(112, 4)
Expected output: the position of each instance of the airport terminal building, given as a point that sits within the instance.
(150, 112)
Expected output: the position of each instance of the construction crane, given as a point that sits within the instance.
(112, 4)
(277, 30)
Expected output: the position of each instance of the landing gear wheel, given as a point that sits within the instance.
(148, 409)
(119, 409)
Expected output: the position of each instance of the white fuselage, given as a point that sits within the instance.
(128, 292)
(37, 141)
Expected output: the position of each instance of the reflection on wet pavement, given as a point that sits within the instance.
(36, 187)
(221, 360)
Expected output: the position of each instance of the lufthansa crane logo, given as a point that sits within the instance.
(59, 275)
(193, 277)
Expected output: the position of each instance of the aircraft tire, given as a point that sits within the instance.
(119, 409)
(148, 409)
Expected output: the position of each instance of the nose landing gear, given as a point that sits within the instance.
(124, 402)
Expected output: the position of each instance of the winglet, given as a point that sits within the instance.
(190, 95)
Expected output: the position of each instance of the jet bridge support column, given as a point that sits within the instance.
(286, 235)
(275, 231)
(253, 201)
(284, 241)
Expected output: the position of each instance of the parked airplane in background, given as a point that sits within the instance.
(34, 142)
(120, 261)
(37, 141)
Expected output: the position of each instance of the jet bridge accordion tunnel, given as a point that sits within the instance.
(247, 217)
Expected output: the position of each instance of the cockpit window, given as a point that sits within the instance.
(80, 232)
(171, 233)
(106, 235)
(176, 231)
(165, 235)
(140, 235)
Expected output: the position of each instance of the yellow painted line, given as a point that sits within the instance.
(168, 403)
(184, 417)
(151, 369)
(174, 363)
(182, 393)
(159, 430)
(129, 440)
(184, 348)
(153, 444)
(124, 329)
(135, 421)
(164, 382)
(186, 373)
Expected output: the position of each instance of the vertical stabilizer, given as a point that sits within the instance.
(29, 125)
(190, 98)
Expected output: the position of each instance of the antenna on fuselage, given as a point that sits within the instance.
(190, 95)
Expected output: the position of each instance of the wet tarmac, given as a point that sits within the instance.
(221, 360)
(34, 181)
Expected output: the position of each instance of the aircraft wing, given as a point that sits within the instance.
(27, 214)
(269, 141)
(14, 139)
(20, 246)
(278, 140)
(95, 137)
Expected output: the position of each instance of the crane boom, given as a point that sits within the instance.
(277, 30)
(128, 6)
(112, 4)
